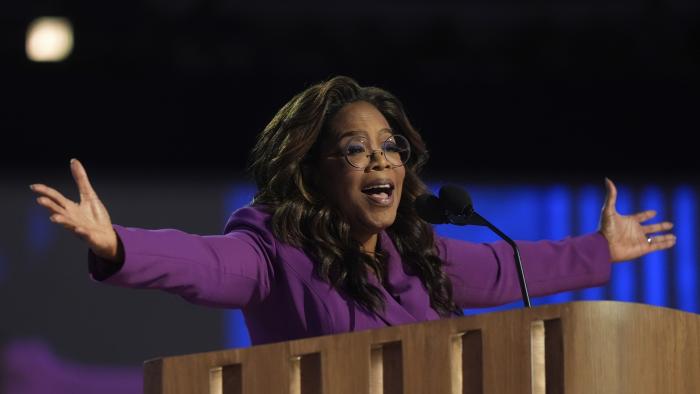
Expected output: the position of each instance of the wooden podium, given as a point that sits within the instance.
(579, 347)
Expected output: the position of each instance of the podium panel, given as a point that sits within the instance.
(577, 347)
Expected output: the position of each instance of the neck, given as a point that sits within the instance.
(368, 243)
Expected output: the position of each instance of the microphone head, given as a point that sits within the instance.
(429, 208)
(456, 200)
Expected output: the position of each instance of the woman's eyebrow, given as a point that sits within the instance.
(352, 132)
(363, 132)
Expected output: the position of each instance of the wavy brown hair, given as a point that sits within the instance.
(288, 148)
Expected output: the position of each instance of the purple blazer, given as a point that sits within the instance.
(273, 283)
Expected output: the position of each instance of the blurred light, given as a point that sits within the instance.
(655, 265)
(589, 204)
(555, 224)
(237, 335)
(686, 275)
(49, 39)
(41, 233)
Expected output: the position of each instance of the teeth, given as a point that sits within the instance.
(384, 186)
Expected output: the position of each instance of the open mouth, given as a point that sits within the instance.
(379, 193)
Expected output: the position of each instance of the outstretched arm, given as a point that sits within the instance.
(229, 270)
(485, 275)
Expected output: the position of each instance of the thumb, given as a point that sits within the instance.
(610, 197)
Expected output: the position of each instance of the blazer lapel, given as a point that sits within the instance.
(403, 284)
(393, 313)
(406, 298)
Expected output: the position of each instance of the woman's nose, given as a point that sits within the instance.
(377, 160)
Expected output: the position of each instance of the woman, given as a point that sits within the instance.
(331, 242)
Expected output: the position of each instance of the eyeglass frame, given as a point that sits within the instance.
(371, 153)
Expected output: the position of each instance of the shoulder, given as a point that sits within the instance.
(251, 217)
(252, 222)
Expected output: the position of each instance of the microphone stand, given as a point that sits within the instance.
(473, 218)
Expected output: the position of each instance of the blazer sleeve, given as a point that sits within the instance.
(231, 270)
(485, 274)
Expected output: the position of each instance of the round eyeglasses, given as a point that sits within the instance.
(395, 149)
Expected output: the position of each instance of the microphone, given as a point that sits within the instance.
(455, 207)
(430, 209)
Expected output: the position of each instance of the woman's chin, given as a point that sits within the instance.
(371, 218)
(376, 222)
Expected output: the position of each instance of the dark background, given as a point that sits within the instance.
(500, 89)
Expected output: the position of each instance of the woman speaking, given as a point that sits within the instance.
(331, 242)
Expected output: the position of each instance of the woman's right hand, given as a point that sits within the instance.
(87, 219)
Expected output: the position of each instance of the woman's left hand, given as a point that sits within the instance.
(627, 236)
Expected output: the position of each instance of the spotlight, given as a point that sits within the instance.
(49, 39)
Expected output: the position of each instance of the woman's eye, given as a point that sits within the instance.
(355, 150)
(392, 147)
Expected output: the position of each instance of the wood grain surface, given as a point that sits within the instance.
(589, 347)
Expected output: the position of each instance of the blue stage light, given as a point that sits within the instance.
(686, 275)
(654, 265)
(590, 202)
(236, 332)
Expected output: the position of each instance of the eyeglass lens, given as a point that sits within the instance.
(395, 149)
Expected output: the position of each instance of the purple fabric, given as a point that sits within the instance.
(281, 299)
(31, 367)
